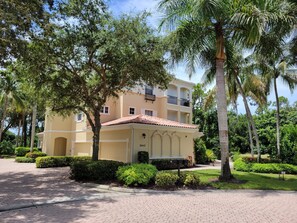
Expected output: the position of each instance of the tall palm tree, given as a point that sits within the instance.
(196, 23)
(270, 60)
(9, 94)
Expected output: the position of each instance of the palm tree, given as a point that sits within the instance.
(9, 94)
(197, 23)
(270, 61)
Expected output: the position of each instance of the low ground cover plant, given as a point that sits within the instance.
(137, 174)
(88, 170)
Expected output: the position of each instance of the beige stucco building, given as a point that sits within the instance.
(143, 119)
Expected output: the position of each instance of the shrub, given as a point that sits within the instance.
(190, 179)
(166, 179)
(210, 156)
(22, 151)
(89, 170)
(168, 164)
(6, 148)
(235, 156)
(137, 174)
(240, 165)
(24, 160)
(58, 161)
(143, 157)
(200, 151)
(35, 154)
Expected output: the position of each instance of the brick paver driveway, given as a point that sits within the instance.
(22, 183)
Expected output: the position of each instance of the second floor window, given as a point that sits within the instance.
(148, 112)
(104, 110)
(149, 90)
(79, 117)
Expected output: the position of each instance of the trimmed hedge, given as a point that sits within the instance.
(24, 160)
(240, 165)
(101, 170)
(263, 160)
(58, 161)
(166, 179)
(143, 157)
(22, 151)
(168, 164)
(35, 154)
(137, 174)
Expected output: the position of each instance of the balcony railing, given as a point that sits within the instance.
(185, 102)
(150, 97)
(172, 99)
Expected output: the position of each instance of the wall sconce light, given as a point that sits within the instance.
(186, 136)
(143, 135)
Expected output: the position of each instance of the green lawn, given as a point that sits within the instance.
(249, 181)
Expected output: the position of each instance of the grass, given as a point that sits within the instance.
(246, 180)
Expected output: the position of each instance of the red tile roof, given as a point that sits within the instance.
(148, 120)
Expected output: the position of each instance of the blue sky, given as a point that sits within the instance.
(135, 6)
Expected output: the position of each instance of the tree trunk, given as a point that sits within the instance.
(30, 128)
(222, 120)
(33, 127)
(277, 119)
(25, 131)
(250, 137)
(96, 135)
(3, 116)
(19, 131)
(250, 118)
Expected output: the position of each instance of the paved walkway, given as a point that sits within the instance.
(58, 199)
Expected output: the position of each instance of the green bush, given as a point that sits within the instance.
(6, 148)
(22, 151)
(200, 151)
(210, 156)
(89, 170)
(235, 156)
(24, 160)
(168, 164)
(137, 174)
(35, 154)
(143, 157)
(240, 165)
(191, 180)
(58, 161)
(166, 180)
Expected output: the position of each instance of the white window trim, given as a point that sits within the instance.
(134, 111)
(149, 110)
(82, 117)
(103, 113)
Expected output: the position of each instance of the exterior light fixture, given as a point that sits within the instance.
(143, 135)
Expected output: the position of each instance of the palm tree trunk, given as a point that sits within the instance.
(250, 138)
(277, 119)
(19, 131)
(250, 118)
(25, 131)
(222, 120)
(3, 116)
(33, 127)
